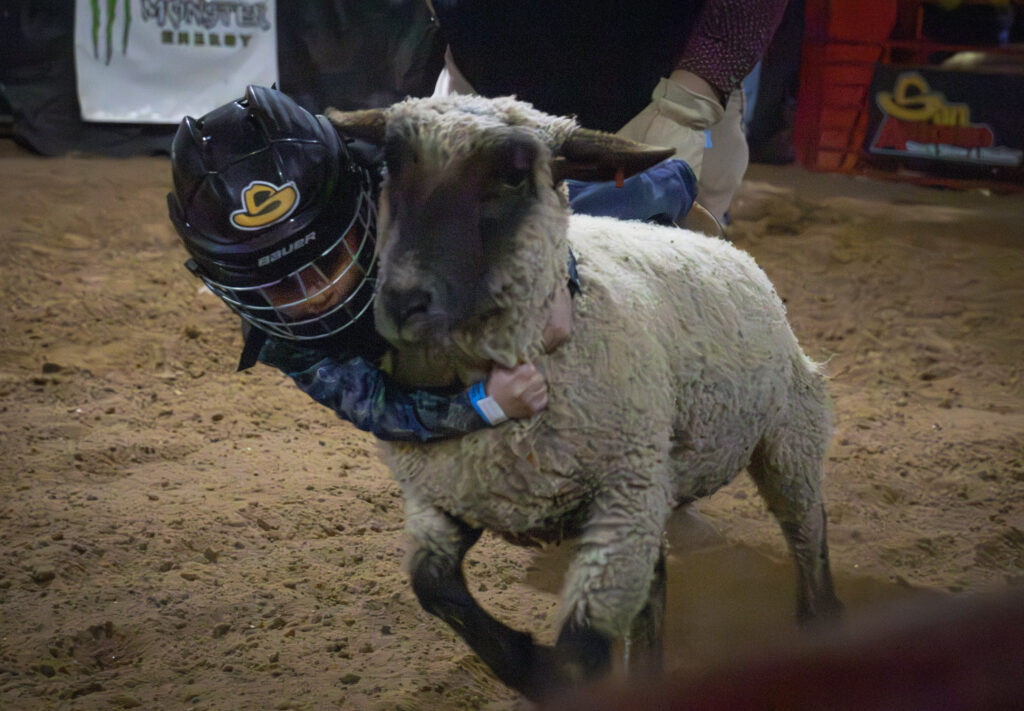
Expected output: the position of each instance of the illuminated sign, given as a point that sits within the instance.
(915, 119)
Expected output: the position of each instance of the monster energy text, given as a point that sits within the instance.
(201, 14)
(205, 39)
(187, 22)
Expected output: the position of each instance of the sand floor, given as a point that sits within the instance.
(175, 535)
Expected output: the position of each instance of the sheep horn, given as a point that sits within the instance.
(368, 124)
(598, 156)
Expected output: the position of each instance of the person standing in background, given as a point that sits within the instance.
(663, 72)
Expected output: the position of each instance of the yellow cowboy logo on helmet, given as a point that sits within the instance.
(265, 204)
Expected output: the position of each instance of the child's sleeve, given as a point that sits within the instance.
(369, 399)
(663, 193)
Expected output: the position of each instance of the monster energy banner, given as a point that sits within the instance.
(153, 61)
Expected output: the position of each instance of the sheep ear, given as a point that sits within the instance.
(599, 156)
(368, 124)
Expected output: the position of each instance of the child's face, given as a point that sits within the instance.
(320, 286)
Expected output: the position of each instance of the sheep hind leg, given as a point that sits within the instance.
(645, 647)
(440, 587)
(790, 484)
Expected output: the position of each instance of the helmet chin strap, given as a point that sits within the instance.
(254, 340)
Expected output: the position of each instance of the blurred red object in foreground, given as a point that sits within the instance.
(947, 654)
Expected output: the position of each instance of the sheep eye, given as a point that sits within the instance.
(513, 163)
(513, 177)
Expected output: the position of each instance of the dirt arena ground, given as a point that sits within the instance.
(174, 535)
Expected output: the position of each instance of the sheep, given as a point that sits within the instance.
(681, 371)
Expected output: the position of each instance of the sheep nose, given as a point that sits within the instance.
(406, 304)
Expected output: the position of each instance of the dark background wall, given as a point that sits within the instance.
(344, 53)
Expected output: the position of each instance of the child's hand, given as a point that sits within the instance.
(520, 391)
(559, 320)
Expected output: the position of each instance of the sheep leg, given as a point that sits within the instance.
(615, 585)
(816, 596)
(789, 479)
(440, 587)
(645, 651)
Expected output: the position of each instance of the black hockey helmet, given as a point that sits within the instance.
(278, 218)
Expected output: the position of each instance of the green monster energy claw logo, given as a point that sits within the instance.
(111, 17)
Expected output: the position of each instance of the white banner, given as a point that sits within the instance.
(153, 61)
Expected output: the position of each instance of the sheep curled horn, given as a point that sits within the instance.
(681, 371)
(585, 155)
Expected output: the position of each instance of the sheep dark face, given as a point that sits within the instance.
(446, 221)
(471, 182)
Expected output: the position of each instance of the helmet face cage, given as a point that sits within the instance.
(277, 215)
(321, 297)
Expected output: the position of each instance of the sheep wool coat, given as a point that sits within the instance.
(680, 363)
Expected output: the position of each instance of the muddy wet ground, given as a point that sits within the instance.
(177, 535)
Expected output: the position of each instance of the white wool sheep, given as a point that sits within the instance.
(681, 371)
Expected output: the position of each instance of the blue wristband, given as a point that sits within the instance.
(487, 407)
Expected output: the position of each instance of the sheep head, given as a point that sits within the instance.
(472, 226)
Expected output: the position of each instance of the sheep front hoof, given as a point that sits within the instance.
(824, 613)
(581, 655)
(585, 653)
(578, 658)
(544, 676)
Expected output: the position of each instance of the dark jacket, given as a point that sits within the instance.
(599, 60)
(595, 59)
